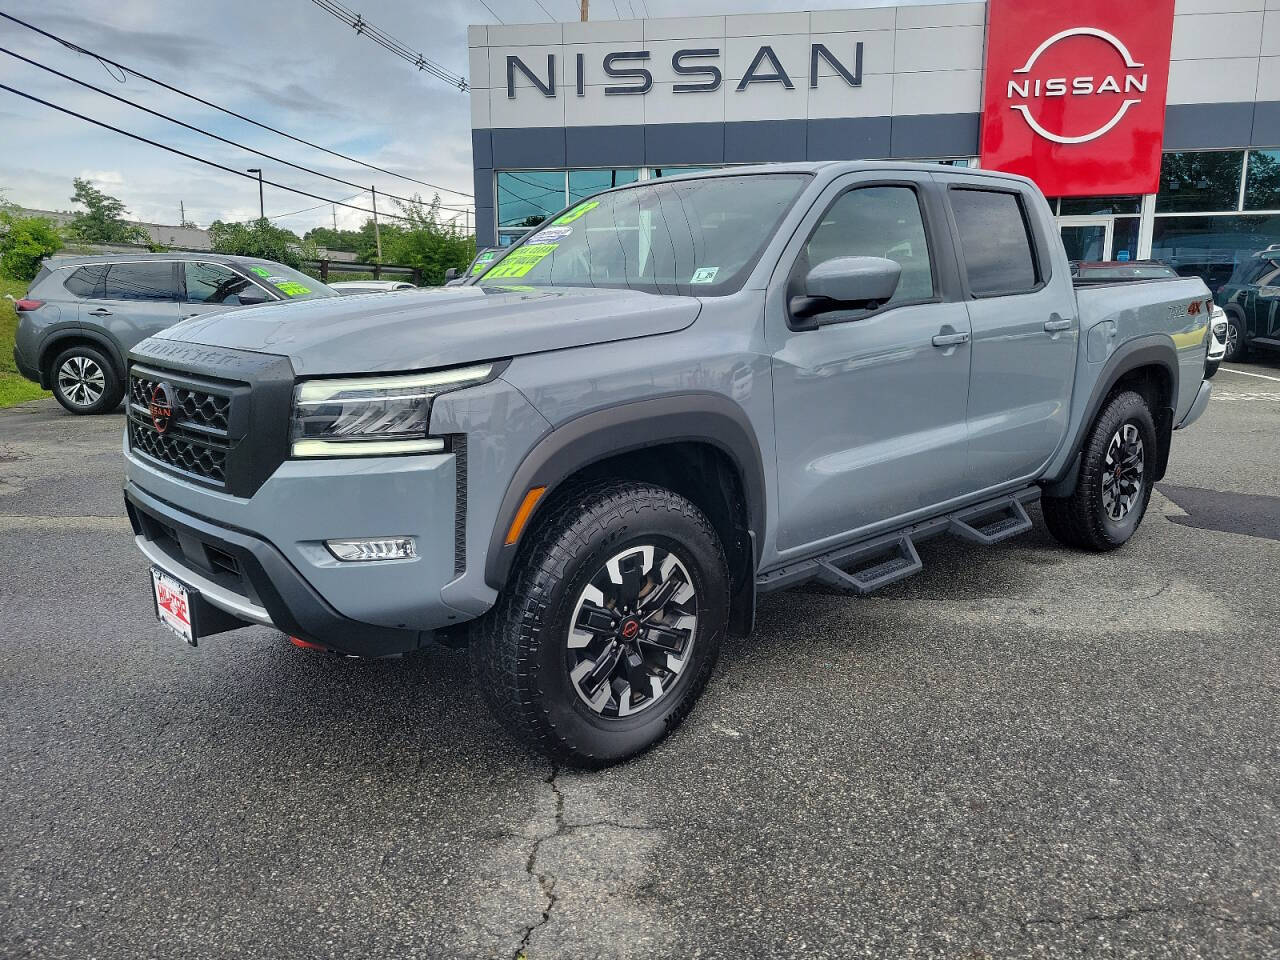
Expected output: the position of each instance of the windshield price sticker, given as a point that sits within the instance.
(575, 213)
(705, 275)
(483, 261)
(554, 234)
(290, 288)
(520, 261)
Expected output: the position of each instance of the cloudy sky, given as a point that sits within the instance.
(287, 63)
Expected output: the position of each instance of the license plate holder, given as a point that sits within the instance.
(175, 605)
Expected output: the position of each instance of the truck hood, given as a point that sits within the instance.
(407, 331)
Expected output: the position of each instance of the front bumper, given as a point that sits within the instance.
(1198, 405)
(263, 559)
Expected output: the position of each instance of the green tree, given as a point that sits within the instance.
(423, 241)
(103, 220)
(261, 238)
(24, 242)
(345, 240)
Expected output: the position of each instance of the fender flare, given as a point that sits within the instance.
(689, 417)
(50, 347)
(1154, 349)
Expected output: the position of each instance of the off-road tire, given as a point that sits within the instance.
(1080, 520)
(67, 391)
(518, 650)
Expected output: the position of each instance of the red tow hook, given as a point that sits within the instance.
(307, 645)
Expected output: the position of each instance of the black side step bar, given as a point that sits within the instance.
(878, 562)
(991, 523)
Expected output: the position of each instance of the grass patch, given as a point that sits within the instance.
(14, 387)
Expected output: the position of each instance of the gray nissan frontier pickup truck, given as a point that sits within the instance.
(588, 462)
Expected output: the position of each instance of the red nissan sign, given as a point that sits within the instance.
(1074, 93)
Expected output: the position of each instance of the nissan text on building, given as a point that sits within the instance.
(1153, 127)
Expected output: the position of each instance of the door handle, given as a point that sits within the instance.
(100, 312)
(1056, 323)
(950, 339)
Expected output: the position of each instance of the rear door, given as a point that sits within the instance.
(133, 300)
(1022, 310)
(869, 409)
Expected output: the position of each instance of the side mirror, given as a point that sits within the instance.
(451, 274)
(845, 283)
(251, 296)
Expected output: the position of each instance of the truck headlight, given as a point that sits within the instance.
(373, 416)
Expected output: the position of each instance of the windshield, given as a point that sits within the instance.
(690, 237)
(289, 282)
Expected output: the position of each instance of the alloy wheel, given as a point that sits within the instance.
(81, 381)
(1122, 472)
(1233, 339)
(632, 631)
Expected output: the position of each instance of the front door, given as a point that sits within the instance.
(869, 408)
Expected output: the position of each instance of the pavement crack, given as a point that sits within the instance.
(546, 881)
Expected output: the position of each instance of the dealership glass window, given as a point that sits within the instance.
(1098, 206)
(1262, 181)
(1212, 248)
(1200, 181)
(1124, 238)
(527, 197)
(676, 171)
(583, 183)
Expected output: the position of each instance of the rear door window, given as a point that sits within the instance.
(995, 243)
(141, 281)
(87, 281)
(213, 283)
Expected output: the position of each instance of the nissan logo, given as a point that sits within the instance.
(160, 408)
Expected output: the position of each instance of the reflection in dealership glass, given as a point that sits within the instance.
(1109, 271)
(1251, 299)
(690, 237)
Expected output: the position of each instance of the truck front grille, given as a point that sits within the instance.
(196, 440)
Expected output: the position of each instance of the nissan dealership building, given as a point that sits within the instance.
(1154, 127)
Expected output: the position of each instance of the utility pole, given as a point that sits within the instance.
(377, 234)
(335, 218)
(582, 10)
(261, 210)
(182, 214)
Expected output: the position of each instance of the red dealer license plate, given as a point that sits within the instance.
(173, 604)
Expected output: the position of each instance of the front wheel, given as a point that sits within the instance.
(1114, 485)
(610, 626)
(1236, 349)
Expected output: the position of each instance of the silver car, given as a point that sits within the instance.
(82, 315)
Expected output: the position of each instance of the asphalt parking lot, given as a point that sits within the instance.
(1021, 752)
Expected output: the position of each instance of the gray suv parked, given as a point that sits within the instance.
(82, 315)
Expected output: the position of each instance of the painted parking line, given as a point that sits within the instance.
(1266, 397)
(1246, 373)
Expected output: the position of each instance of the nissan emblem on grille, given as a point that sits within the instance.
(160, 407)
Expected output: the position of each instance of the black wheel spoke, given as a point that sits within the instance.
(596, 619)
(603, 670)
(670, 639)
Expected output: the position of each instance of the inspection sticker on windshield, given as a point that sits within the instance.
(553, 234)
(575, 213)
(520, 261)
(705, 275)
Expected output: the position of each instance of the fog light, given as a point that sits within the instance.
(373, 548)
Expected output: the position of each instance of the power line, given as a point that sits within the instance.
(191, 156)
(285, 216)
(545, 10)
(239, 116)
(491, 13)
(390, 43)
(214, 136)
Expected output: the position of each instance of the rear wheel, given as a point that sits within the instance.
(85, 381)
(610, 626)
(1114, 485)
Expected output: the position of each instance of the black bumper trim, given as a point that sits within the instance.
(293, 604)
